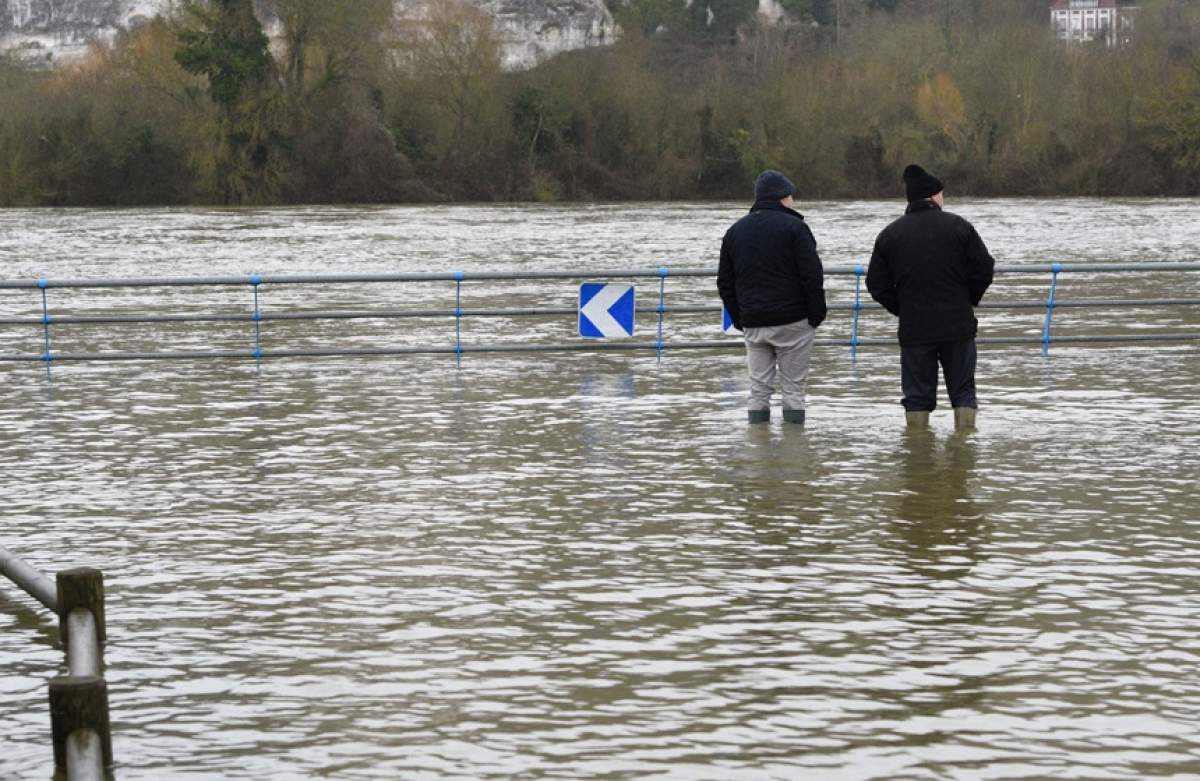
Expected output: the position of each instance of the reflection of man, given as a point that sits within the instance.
(930, 269)
(772, 284)
(938, 523)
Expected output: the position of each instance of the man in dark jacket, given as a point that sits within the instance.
(930, 269)
(772, 284)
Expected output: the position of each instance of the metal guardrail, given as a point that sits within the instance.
(257, 317)
(31, 580)
(79, 721)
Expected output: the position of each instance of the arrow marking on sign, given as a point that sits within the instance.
(727, 323)
(597, 310)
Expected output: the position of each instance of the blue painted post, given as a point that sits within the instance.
(43, 284)
(458, 350)
(663, 273)
(255, 281)
(1051, 301)
(858, 277)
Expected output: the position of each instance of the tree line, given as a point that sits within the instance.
(352, 105)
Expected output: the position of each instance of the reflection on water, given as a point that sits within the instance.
(589, 566)
(938, 524)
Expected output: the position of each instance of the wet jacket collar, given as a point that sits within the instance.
(921, 206)
(769, 204)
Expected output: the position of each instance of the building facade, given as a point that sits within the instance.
(1090, 20)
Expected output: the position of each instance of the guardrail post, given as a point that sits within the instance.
(47, 356)
(82, 587)
(858, 277)
(255, 281)
(1051, 302)
(85, 756)
(458, 349)
(663, 273)
(79, 702)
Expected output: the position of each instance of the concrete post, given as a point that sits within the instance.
(81, 588)
(79, 703)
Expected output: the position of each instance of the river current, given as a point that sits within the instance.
(586, 565)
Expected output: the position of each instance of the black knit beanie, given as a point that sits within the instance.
(919, 184)
(772, 185)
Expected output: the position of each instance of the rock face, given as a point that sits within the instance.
(54, 31)
(534, 30)
(51, 30)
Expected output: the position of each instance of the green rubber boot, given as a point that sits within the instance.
(759, 415)
(964, 417)
(793, 416)
(917, 419)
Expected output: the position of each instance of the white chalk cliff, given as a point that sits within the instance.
(55, 31)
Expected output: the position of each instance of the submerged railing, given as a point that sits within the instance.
(257, 317)
(79, 722)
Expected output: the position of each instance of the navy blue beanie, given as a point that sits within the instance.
(920, 184)
(772, 185)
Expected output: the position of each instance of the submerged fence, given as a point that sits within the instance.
(257, 317)
(79, 722)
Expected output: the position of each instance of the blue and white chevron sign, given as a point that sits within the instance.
(727, 323)
(606, 311)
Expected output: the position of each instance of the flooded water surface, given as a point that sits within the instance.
(586, 565)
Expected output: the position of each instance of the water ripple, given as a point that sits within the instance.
(588, 567)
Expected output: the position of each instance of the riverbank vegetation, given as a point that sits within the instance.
(350, 105)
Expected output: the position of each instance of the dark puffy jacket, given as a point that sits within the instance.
(930, 268)
(770, 273)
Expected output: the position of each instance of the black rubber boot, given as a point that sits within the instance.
(759, 415)
(793, 416)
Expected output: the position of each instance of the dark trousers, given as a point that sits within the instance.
(919, 374)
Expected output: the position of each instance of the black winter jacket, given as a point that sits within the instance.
(931, 269)
(770, 273)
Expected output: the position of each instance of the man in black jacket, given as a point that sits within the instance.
(772, 284)
(930, 269)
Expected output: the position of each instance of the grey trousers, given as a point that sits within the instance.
(787, 347)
